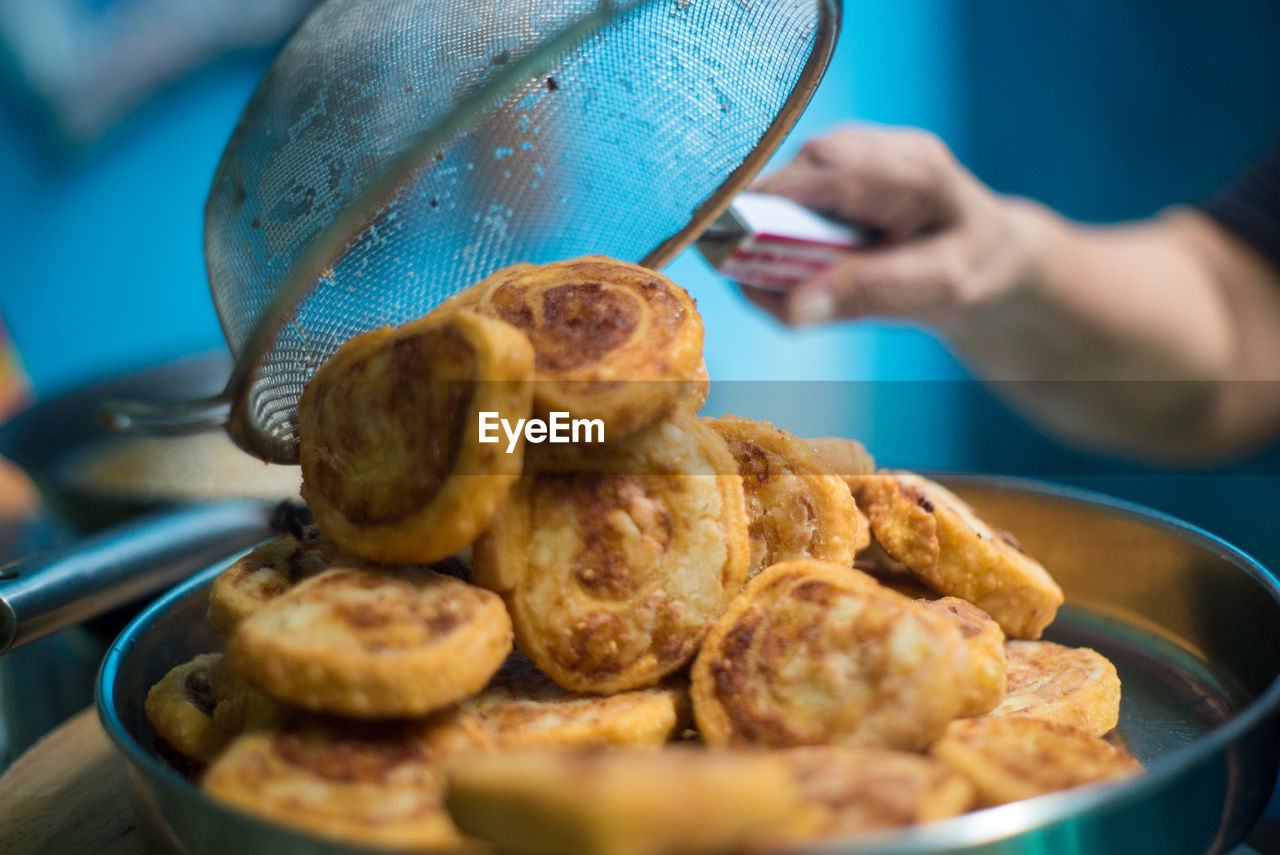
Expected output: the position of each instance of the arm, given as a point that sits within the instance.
(1137, 337)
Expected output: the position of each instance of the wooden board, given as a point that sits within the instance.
(69, 793)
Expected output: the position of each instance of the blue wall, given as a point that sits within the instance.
(1109, 110)
(103, 262)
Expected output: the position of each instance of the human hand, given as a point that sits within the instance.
(949, 247)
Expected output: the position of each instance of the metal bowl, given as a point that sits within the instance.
(1192, 624)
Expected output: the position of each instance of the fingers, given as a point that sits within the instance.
(815, 307)
(903, 182)
(946, 236)
(771, 302)
(922, 280)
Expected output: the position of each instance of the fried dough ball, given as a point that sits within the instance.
(940, 537)
(985, 640)
(1075, 686)
(180, 709)
(1014, 757)
(845, 791)
(524, 708)
(613, 341)
(814, 653)
(847, 458)
(264, 574)
(374, 642)
(365, 783)
(392, 463)
(619, 801)
(795, 510)
(615, 559)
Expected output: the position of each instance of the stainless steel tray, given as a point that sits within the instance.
(1192, 624)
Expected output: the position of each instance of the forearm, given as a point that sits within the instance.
(1160, 338)
(1133, 337)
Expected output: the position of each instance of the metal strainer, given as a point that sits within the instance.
(399, 150)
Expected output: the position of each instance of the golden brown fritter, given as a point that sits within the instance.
(374, 642)
(524, 708)
(1075, 686)
(795, 510)
(847, 458)
(845, 791)
(392, 463)
(240, 705)
(180, 709)
(985, 640)
(266, 573)
(940, 537)
(613, 341)
(366, 783)
(1015, 757)
(813, 653)
(619, 801)
(696, 390)
(614, 566)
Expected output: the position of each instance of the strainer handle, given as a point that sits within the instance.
(165, 418)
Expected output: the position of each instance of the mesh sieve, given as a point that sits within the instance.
(399, 150)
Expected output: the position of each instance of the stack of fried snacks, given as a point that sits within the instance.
(701, 663)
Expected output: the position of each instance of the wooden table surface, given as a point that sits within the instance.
(69, 793)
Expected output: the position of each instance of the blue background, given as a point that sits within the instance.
(1106, 109)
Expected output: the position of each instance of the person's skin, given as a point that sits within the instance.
(1055, 312)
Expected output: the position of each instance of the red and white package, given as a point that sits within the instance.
(773, 243)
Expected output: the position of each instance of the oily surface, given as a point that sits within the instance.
(265, 573)
(392, 465)
(378, 396)
(524, 708)
(620, 802)
(984, 639)
(941, 538)
(844, 457)
(795, 508)
(180, 709)
(368, 783)
(845, 791)
(1014, 757)
(1075, 686)
(612, 571)
(813, 653)
(613, 341)
(374, 642)
(240, 705)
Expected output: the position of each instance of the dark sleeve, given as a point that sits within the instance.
(1250, 205)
